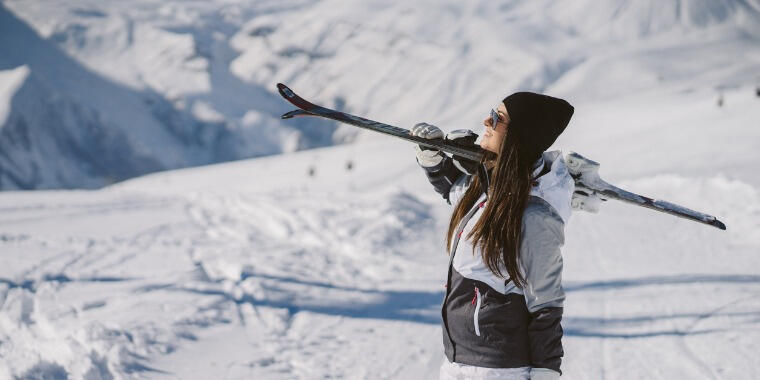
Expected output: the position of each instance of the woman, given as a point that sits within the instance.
(504, 298)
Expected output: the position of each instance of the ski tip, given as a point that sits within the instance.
(718, 224)
(285, 91)
(289, 114)
(295, 113)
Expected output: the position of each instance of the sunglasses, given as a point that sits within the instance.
(495, 119)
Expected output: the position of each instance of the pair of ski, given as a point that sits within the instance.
(589, 187)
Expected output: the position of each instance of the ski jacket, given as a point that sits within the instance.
(487, 320)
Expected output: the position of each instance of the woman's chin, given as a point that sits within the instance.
(487, 147)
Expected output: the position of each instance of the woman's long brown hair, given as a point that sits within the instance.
(498, 230)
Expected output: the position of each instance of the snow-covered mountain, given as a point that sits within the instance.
(258, 269)
(68, 124)
(117, 89)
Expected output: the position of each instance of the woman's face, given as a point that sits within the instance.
(494, 134)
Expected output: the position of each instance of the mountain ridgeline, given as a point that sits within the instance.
(94, 95)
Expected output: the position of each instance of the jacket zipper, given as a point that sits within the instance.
(461, 226)
(477, 310)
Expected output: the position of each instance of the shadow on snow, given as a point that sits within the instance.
(424, 306)
(664, 280)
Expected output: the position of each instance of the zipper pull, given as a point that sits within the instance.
(475, 296)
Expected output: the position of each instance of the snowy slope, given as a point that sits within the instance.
(254, 269)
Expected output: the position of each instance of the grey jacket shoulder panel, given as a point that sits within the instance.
(540, 255)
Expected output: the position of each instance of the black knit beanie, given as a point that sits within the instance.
(537, 119)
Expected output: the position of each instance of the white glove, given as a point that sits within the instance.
(464, 137)
(585, 201)
(588, 171)
(427, 131)
(427, 157)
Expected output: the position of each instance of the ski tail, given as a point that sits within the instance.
(587, 180)
(612, 192)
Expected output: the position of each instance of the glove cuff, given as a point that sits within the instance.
(428, 159)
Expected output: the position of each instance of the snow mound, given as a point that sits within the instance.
(36, 346)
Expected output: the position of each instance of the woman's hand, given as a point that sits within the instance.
(464, 137)
(427, 157)
(427, 131)
(430, 157)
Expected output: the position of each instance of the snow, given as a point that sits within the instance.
(148, 92)
(10, 81)
(256, 269)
